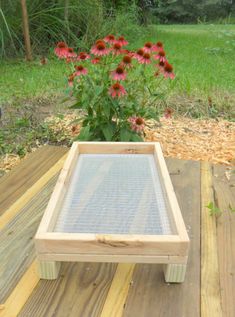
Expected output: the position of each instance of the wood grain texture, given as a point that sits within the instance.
(175, 273)
(149, 295)
(21, 293)
(56, 199)
(12, 211)
(210, 282)
(110, 244)
(48, 270)
(116, 147)
(80, 291)
(169, 189)
(112, 258)
(82, 288)
(17, 249)
(24, 175)
(116, 298)
(225, 196)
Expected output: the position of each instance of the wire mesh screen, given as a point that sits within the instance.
(115, 194)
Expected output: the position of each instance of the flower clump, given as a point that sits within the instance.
(115, 86)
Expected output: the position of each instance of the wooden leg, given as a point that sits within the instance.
(174, 273)
(48, 270)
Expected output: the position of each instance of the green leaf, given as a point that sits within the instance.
(77, 105)
(98, 90)
(106, 110)
(108, 131)
(90, 112)
(136, 138)
(125, 135)
(84, 134)
(213, 209)
(231, 208)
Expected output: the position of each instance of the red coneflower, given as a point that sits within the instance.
(168, 113)
(70, 79)
(110, 39)
(117, 90)
(61, 49)
(117, 48)
(137, 123)
(157, 73)
(146, 59)
(148, 47)
(158, 46)
(95, 60)
(119, 73)
(80, 70)
(70, 53)
(126, 61)
(168, 71)
(161, 56)
(139, 54)
(121, 40)
(99, 48)
(83, 56)
(43, 60)
(161, 65)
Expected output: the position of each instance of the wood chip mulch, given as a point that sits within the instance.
(190, 139)
(183, 138)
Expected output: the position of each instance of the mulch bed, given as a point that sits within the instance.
(184, 138)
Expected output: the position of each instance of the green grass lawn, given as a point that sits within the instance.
(203, 62)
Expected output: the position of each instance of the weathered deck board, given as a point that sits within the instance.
(24, 175)
(16, 240)
(225, 195)
(116, 298)
(149, 295)
(87, 289)
(80, 290)
(210, 282)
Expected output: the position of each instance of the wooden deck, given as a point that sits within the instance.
(102, 289)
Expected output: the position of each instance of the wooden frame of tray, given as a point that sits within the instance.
(54, 247)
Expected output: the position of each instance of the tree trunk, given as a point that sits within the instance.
(28, 52)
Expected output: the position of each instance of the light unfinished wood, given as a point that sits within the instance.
(82, 288)
(80, 292)
(16, 182)
(224, 192)
(172, 200)
(49, 242)
(210, 284)
(48, 270)
(70, 243)
(21, 293)
(175, 273)
(12, 211)
(116, 298)
(17, 249)
(52, 209)
(116, 147)
(111, 258)
(149, 295)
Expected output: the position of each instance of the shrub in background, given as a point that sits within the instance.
(191, 11)
(68, 20)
